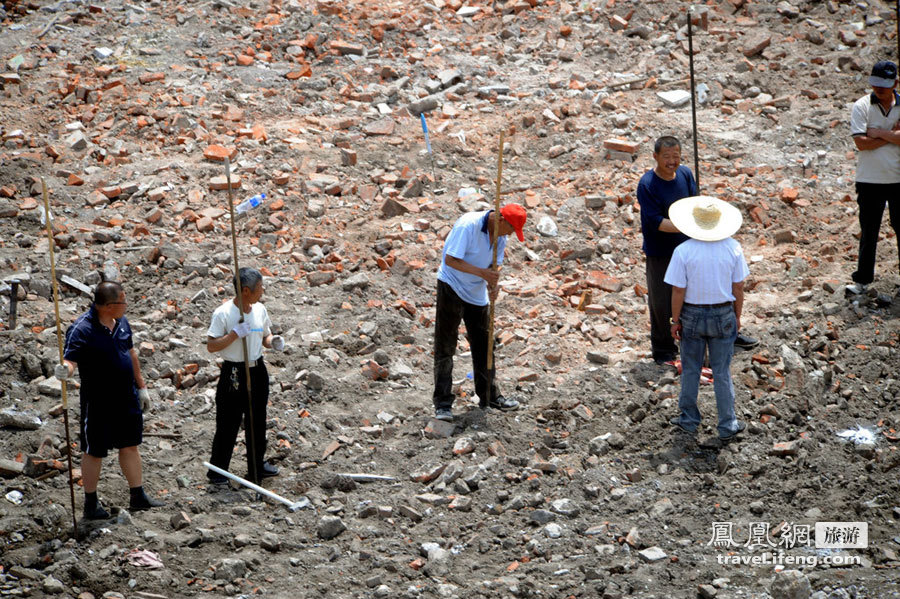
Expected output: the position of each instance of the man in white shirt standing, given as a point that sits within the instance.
(707, 275)
(224, 335)
(875, 126)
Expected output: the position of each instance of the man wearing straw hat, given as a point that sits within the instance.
(706, 274)
(465, 283)
(874, 124)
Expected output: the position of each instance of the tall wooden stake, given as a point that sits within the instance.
(490, 347)
(251, 451)
(693, 95)
(59, 342)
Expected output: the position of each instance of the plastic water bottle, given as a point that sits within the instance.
(250, 203)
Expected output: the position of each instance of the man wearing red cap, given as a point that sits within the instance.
(466, 283)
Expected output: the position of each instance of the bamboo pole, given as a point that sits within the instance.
(59, 342)
(693, 95)
(490, 347)
(251, 451)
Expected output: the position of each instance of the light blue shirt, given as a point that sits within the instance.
(470, 241)
(707, 269)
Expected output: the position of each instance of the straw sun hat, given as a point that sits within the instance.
(705, 218)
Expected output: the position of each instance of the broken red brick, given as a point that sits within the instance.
(344, 48)
(218, 153)
(204, 224)
(111, 192)
(151, 77)
(621, 145)
(789, 194)
(221, 183)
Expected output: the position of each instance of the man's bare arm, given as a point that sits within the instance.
(217, 344)
(886, 135)
(667, 226)
(864, 142)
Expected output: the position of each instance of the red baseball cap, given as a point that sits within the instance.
(515, 215)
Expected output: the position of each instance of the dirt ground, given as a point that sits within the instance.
(127, 109)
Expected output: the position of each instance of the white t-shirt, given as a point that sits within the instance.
(707, 269)
(227, 316)
(881, 165)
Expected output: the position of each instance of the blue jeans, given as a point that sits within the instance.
(715, 329)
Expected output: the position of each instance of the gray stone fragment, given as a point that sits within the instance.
(616, 441)
(19, 419)
(599, 446)
(547, 227)
(598, 357)
(426, 104)
(661, 507)
(553, 530)
(270, 542)
(448, 77)
(102, 53)
(76, 141)
(792, 360)
(652, 554)
(357, 281)
(315, 381)
(230, 569)
(674, 98)
(315, 208)
(564, 507)
(489, 90)
(790, 584)
(330, 527)
(542, 516)
(52, 586)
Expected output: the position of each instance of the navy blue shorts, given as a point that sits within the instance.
(105, 431)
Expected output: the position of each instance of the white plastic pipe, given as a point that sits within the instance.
(293, 506)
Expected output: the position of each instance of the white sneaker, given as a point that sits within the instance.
(856, 289)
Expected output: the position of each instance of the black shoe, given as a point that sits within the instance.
(741, 428)
(745, 342)
(98, 512)
(676, 422)
(215, 478)
(267, 470)
(143, 502)
(663, 358)
(504, 404)
(445, 414)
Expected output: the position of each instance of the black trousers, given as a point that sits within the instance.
(231, 407)
(450, 311)
(871, 198)
(659, 294)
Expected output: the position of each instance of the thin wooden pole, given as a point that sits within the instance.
(251, 451)
(490, 347)
(693, 95)
(59, 342)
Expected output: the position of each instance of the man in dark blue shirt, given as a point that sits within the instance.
(113, 395)
(658, 189)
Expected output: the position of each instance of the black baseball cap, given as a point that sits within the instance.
(884, 74)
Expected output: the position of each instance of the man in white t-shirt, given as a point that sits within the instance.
(224, 337)
(707, 275)
(875, 126)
